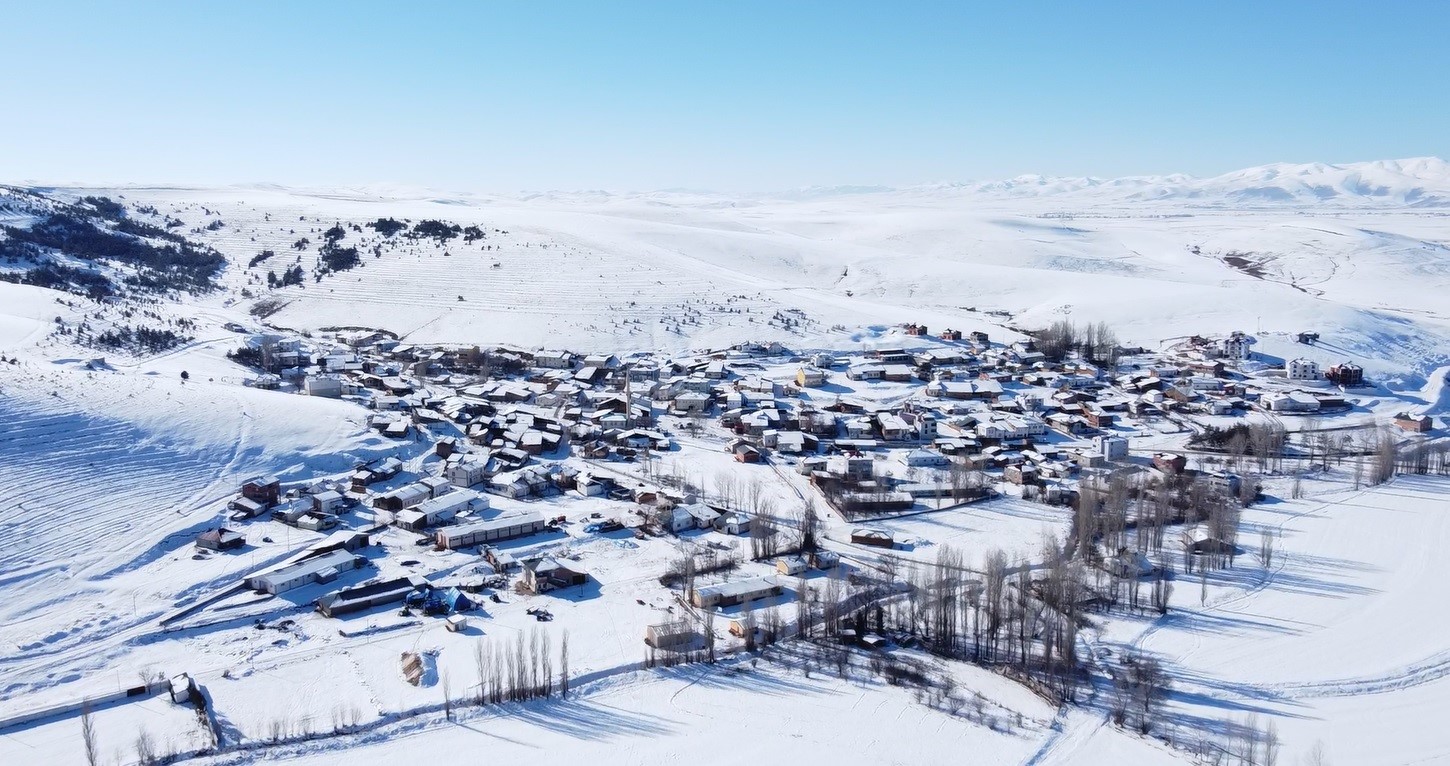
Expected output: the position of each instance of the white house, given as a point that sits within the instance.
(924, 458)
(1238, 346)
(1302, 369)
(327, 502)
(440, 509)
(692, 516)
(856, 468)
(733, 523)
(466, 473)
(1111, 447)
(692, 401)
(588, 485)
(329, 386)
(556, 360)
(1294, 401)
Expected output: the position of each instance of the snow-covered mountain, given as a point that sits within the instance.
(1421, 182)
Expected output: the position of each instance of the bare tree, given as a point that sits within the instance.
(709, 630)
(1271, 744)
(755, 493)
(747, 624)
(564, 665)
(88, 735)
(803, 609)
(1316, 756)
(146, 748)
(1384, 459)
(809, 522)
(447, 698)
(480, 659)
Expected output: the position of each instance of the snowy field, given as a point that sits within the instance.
(1338, 640)
(717, 716)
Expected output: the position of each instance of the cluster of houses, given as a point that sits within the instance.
(985, 406)
(527, 425)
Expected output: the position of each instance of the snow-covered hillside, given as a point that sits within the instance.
(1356, 252)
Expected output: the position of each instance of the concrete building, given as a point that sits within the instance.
(493, 530)
(319, 569)
(1302, 369)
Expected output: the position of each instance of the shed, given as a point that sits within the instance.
(220, 539)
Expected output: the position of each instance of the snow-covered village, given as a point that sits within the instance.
(297, 541)
(574, 381)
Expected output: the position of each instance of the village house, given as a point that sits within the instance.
(866, 372)
(1302, 369)
(466, 472)
(692, 516)
(1346, 374)
(898, 373)
(542, 575)
(873, 537)
(791, 442)
(1204, 383)
(978, 389)
(329, 502)
(1168, 462)
(1111, 447)
(1237, 346)
(264, 490)
(554, 360)
(924, 458)
(743, 451)
(1413, 424)
(220, 539)
(733, 523)
(810, 377)
(1292, 401)
(402, 497)
(735, 592)
(440, 509)
(893, 428)
(691, 403)
(791, 565)
(851, 468)
(1020, 474)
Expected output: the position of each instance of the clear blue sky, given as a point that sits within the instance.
(718, 95)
